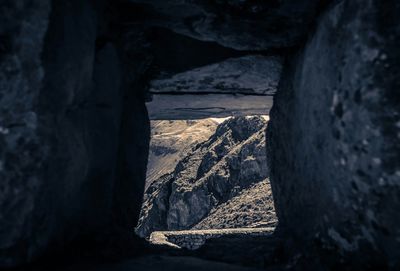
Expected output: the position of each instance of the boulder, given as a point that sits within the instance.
(334, 138)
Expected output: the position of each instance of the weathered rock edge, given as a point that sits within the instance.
(334, 141)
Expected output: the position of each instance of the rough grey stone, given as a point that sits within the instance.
(334, 134)
(22, 150)
(242, 25)
(253, 74)
(334, 137)
(194, 239)
(58, 91)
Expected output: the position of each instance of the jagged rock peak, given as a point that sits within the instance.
(213, 172)
(242, 127)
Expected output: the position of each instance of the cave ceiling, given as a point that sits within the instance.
(254, 74)
(218, 48)
(239, 24)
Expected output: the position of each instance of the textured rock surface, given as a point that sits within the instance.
(68, 58)
(22, 150)
(243, 25)
(187, 106)
(232, 159)
(74, 130)
(246, 75)
(194, 239)
(215, 171)
(334, 137)
(252, 207)
(61, 97)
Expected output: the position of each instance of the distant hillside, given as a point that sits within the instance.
(171, 140)
(221, 171)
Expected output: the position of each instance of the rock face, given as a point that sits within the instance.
(74, 130)
(334, 155)
(252, 207)
(194, 239)
(242, 25)
(252, 74)
(212, 173)
(22, 150)
(253, 79)
(171, 141)
(61, 97)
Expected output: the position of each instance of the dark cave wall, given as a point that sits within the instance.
(74, 130)
(334, 137)
(68, 57)
(133, 149)
(23, 152)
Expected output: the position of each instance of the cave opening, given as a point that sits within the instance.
(207, 171)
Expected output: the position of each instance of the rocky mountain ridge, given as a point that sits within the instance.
(215, 172)
(171, 140)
